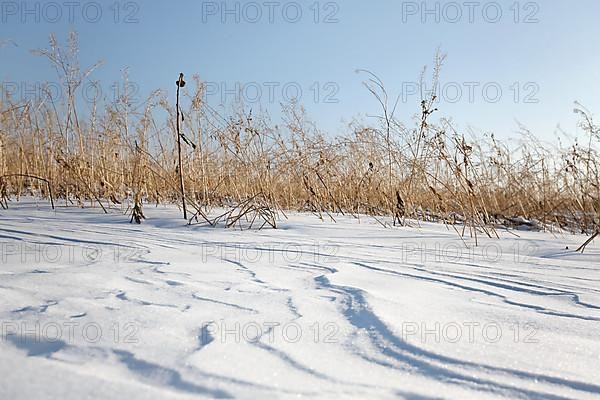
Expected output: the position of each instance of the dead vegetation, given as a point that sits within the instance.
(420, 170)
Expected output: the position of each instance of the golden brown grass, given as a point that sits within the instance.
(421, 170)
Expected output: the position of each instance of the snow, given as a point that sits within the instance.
(94, 307)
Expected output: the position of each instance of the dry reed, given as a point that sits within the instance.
(423, 170)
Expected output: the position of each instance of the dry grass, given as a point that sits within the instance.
(420, 170)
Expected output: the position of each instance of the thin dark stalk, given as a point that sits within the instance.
(180, 84)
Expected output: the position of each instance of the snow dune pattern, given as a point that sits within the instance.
(93, 307)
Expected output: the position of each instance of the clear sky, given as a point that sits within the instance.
(541, 55)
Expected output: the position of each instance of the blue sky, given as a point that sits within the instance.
(542, 55)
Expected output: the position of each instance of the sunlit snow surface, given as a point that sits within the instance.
(93, 307)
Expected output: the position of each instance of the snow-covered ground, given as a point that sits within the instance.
(93, 307)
